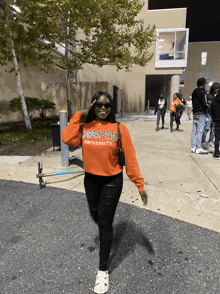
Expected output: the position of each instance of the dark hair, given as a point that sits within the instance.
(201, 82)
(213, 87)
(177, 94)
(111, 117)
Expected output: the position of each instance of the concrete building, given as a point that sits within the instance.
(203, 61)
(163, 72)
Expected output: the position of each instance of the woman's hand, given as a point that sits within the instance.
(86, 111)
(144, 197)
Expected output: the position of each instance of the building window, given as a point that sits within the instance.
(171, 47)
(203, 58)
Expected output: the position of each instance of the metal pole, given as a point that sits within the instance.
(66, 172)
(64, 147)
(40, 175)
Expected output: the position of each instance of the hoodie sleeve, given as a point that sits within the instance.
(72, 134)
(131, 164)
(211, 110)
(204, 102)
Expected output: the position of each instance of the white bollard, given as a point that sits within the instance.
(64, 147)
(148, 106)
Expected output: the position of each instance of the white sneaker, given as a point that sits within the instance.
(193, 149)
(204, 145)
(201, 151)
(102, 282)
(211, 145)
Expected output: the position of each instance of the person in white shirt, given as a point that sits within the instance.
(189, 107)
(160, 109)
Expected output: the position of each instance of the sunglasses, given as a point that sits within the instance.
(100, 105)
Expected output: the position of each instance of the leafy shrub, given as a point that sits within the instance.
(32, 104)
(44, 106)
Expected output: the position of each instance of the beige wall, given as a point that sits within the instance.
(31, 78)
(81, 94)
(194, 67)
(132, 83)
(36, 83)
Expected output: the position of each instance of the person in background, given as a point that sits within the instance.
(209, 124)
(179, 108)
(189, 107)
(173, 112)
(215, 114)
(160, 110)
(183, 102)
(200, 106)
(103, 180)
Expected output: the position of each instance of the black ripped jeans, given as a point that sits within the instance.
(103, 194)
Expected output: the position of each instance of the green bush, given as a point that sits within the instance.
(33, 104)
(44, 106)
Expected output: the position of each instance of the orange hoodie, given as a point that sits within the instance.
(174, 103)
(100, 145)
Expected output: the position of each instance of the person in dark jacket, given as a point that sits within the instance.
(179, 108)
(209, 124)
(160, 109)
(200, 106)
(183, 102)
(215, 114)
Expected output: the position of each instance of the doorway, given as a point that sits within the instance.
(154, 86)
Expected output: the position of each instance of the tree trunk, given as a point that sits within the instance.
(20, 91)
(18, 77)
(71, 74)
(67, 82)
(68, 94)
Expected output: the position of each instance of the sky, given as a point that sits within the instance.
(203, 17)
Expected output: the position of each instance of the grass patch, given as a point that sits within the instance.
(12, 133)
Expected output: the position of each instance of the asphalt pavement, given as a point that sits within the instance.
(49, 244)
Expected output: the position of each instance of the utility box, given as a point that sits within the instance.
(56, 135)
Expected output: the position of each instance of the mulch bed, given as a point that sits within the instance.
(26, 148)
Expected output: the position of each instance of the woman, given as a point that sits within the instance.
(189, 107)
(160, 109)
(182, 108)
(175, 105)
(103, 175)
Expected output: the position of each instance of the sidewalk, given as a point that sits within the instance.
(180, 185)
